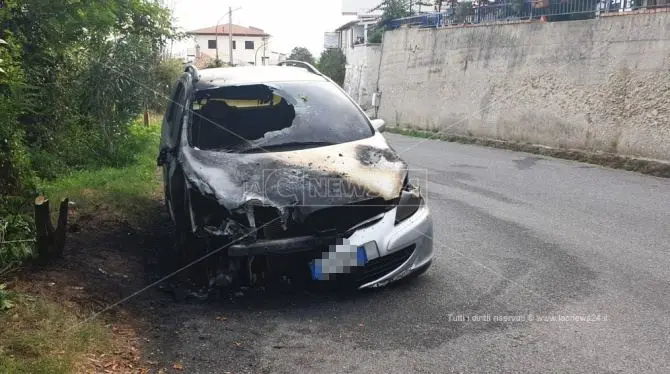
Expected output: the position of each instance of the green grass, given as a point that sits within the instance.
(121, 191)
(38, 336)
(41, 336)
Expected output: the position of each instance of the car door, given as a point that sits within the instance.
(169, 146)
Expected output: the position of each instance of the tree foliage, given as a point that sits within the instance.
(392, 9)
(14, 163)
(302, 54)
(73, 75)
(333, 63)
(77, 72)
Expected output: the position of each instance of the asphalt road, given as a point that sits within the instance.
(516, 236)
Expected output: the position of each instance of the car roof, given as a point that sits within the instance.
(217, 77)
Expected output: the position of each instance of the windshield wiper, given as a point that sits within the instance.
(291, 145)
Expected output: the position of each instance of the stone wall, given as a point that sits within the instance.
(362, 71)
(601, 84)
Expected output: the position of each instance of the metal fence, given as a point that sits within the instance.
(503, 11)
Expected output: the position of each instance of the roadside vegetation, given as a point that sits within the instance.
(75, 79)
(120, 191)
(39, 336)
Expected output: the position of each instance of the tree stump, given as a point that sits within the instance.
(50, 241)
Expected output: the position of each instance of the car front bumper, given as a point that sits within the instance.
(399, 249)
(413, 236)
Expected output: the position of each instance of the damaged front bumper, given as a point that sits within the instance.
(279, 246)
(394, 250)
(403, 248)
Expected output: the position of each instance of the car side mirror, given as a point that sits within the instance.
(378, 124)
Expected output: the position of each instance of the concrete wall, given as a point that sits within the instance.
(360, 81)
(599, 84)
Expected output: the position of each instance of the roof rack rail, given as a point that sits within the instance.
(191, 69)
(300, 64)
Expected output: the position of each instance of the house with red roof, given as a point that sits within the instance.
(250, 46)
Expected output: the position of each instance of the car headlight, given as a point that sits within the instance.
(410, 202)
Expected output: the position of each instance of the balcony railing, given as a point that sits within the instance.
(525, 10)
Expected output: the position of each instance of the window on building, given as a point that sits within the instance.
(211, 44)
(234, 44)
(249, 45)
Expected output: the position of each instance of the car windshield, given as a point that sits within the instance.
(274, 115)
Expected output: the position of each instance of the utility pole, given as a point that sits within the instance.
(265, 44)
(230, 33)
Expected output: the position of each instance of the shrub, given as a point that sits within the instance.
(74, 76)
(163, 77)
(5, 299)
(14, 160)
(16, 239)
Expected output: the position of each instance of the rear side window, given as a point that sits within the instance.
(237, 118)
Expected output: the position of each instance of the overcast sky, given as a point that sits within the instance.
(290, 22)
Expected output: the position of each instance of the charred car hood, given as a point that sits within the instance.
(310, 178)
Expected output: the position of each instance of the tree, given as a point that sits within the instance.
(302, 54)
(333, 63)
(76, 74)
(14, 162)
(392, 9)
(87, 70)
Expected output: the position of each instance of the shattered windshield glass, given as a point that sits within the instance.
(274, 116)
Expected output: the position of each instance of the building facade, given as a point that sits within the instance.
(363, 59)
(251, 46)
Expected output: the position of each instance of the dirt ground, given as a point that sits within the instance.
(112, 271)
(108, 263)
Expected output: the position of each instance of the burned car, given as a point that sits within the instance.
(275, 170)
